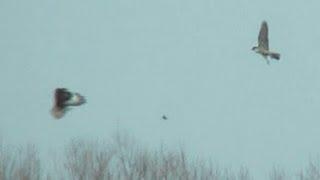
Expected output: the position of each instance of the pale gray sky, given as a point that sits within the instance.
(191, 60)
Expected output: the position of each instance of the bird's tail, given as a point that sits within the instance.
(275, 56)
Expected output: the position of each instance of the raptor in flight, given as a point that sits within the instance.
(263, 44)
(63, 99)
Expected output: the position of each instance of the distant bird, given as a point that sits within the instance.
(263, 44)
(63, 99)
(164, 117)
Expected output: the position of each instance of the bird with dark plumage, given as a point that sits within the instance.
(63, 99)
(263, 44)
(164, 117)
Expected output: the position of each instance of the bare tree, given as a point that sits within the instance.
(277, 174)
(312, 172)
(125, 160)
(86, 160)
(22, 163)
(244, 174)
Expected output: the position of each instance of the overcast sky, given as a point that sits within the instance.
(136, 60)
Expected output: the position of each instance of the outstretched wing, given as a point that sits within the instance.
(263, 40)
(75, 100)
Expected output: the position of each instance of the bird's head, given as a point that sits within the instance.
(254, 48)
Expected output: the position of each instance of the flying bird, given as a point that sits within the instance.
(263, 44)
(164, 117)
(63, 99)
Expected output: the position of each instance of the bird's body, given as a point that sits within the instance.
(263, 44)
(164, 117)
(63, 99)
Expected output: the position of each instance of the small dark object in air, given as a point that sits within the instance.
(164, 117)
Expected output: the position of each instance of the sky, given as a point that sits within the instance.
(136, 60)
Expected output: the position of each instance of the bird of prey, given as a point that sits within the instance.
(63, 99)
(263, 44)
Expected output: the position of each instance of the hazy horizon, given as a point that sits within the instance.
(135, 61)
